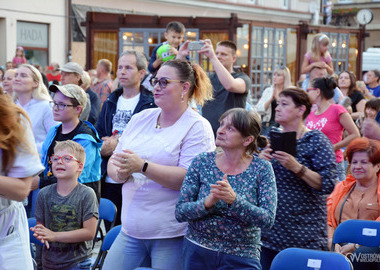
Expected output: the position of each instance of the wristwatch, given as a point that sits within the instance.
(144, 167)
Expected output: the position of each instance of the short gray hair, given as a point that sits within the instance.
(141, 61)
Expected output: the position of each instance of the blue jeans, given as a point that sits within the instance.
(86, 264)
(129, 253)
(196, 257)
(83, 265)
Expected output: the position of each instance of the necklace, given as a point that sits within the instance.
(158, 122)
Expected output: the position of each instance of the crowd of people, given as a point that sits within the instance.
(194, 189)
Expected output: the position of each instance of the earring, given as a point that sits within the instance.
(182, 100)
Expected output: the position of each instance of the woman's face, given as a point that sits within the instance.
(313, 94)
(7, 82)
(227, 136)
(278, 79)
(23, 81)
(344, 80)
(286, 110)
(171, 93)
(370, 113)
(361, 168)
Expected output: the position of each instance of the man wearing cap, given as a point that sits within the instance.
(116, 112)
(71, 73)
(69, 101)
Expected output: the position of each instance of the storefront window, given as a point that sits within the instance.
(145, 40)
(242, 48)
(268, 51)
(33, 37)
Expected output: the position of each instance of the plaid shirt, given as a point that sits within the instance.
(103, 89)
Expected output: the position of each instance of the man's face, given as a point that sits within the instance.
(318, 73)
(128, 73)
(226, 56)
(174, 38)
(69, 78)
(371, 77)
(99, 69)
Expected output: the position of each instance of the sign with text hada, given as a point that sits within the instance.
(32, 35)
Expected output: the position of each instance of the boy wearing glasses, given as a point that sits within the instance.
(66, 212)
(68, 103)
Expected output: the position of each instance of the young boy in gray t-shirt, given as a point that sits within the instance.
(66, 212)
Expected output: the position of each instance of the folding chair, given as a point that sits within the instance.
(34, 200)
(106, 245)
(309, 259)
(107, 211)
(362, 232)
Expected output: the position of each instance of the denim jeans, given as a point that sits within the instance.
(86, 264)
(128, 253)
(196, 257)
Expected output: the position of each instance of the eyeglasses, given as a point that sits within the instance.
(61, 106)
(162, 82)
(310, 89)
(281, 66)
(65, 159)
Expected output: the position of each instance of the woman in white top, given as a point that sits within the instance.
(268, 101)
(30, 93)
(19, 162)
(152, 157)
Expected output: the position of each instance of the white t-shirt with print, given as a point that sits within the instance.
(124, 111)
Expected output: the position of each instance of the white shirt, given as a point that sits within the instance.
(41, 115)
(148, 208)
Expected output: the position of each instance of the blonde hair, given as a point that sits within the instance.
(86, 80)
(73, 148)
(40, 92)
(284, 71)
(318, 40)
(200, 85)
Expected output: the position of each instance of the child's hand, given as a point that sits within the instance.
(44, 234)
(158, 62)
(37, 230)
(320, 64)
(173, 51)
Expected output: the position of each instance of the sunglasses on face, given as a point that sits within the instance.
(162, 82)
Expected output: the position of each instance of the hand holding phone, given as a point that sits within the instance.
(195, 45)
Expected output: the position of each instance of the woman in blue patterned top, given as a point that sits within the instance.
(303, 181)
(227, 197)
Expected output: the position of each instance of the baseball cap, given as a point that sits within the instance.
(72, 67)
(71, 91)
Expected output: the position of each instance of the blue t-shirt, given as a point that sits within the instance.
(374, 91)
